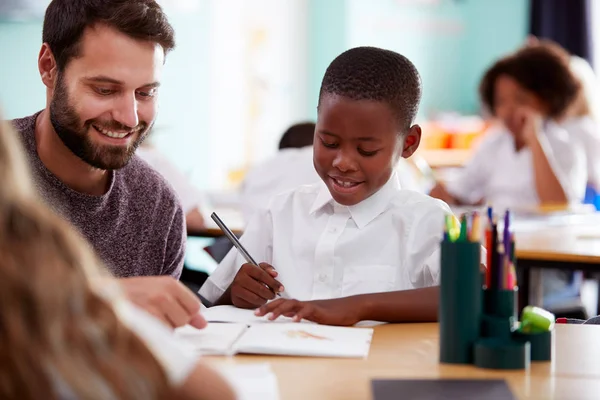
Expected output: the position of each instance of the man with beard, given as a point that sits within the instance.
(101, 62)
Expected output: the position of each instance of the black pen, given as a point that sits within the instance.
(235, 241)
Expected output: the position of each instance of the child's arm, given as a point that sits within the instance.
(547, 184)
(416, 305)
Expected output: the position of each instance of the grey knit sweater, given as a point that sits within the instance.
(137, 227)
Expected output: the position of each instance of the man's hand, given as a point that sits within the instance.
(165, 298)
(342, 311)
(252, 287)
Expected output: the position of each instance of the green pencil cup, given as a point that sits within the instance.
(460, 301)
(493, 353)
(497, 327)
(500, 303)
(541, 343)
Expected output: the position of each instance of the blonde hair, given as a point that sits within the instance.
(55, 329)
(14, 173)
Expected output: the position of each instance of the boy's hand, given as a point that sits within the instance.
(252, 287)
(342, 311)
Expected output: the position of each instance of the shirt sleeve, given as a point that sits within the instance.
(469, 184)
(258, 242)
(424, 245)
(587, 131)
(567, 159)
(176, 359)
(425, 249)
(175, 250)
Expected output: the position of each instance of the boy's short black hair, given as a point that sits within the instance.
(371, 73)
(541, 69)
(66, 20)
(298, 135)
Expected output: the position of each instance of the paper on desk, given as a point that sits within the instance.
(251, 381)
(215, 339)
(309, 340)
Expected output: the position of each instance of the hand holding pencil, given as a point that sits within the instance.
(254, 284)
(252, 287)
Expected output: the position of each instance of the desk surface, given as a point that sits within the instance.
(410, 351)
(579, 244)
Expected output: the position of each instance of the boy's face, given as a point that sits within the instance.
(357, 145)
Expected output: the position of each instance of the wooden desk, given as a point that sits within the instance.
(410, 351)
(575, 248)
(232, 217)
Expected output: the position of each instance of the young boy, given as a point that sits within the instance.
(353, 247)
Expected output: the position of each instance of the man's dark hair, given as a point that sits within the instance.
(370, 73)
(541, 69)
(66, 20)
(298, 135)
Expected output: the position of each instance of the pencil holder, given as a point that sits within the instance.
(541, 343)
(495, 353)
(460, 301)
(496, 327)
(500, 303)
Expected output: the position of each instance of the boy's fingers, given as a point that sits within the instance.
(269, 269)
(267, 308)
(304, 313)
(264, 277)
(249, 297)
(285, 307)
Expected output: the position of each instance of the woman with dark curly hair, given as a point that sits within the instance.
(529, 158)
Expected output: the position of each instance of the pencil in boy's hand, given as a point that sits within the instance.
(238, 245)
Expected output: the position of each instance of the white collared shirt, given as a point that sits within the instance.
(504, 177)
(323, 250)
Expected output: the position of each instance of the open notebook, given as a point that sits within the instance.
(249, 334)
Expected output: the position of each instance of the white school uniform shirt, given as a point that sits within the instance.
(323, 250)
(500, 175)
(291, 168)
(587, 131)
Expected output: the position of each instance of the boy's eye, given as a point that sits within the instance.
(367, 153)
(329, 145)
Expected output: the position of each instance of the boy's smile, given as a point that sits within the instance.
(357, 145)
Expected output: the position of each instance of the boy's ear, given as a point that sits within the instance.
(411, 141)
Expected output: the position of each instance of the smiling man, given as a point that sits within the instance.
(101, 62)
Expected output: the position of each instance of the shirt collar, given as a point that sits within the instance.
(365, 211)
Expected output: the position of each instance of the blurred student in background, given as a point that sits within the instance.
(542, 150)
(528, 158)
(290, 167)
(581, 119)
